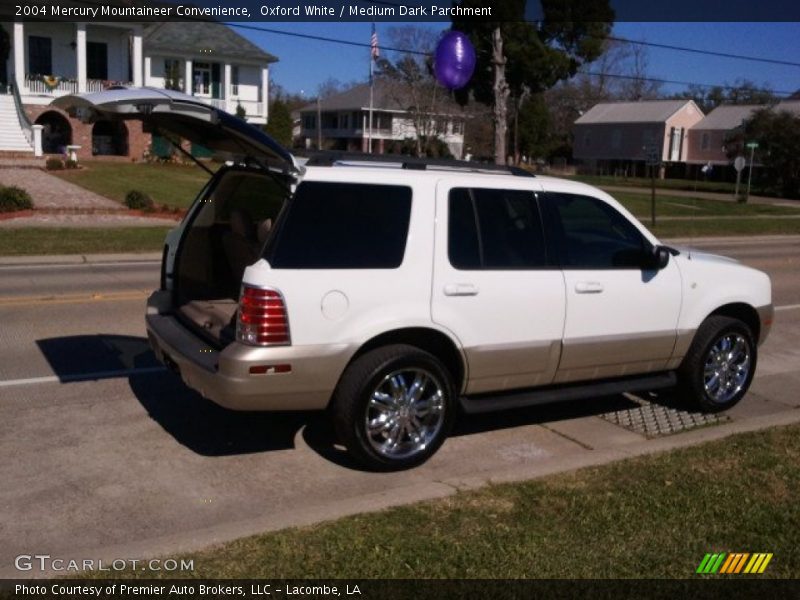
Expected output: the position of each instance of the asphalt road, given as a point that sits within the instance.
(106, 455)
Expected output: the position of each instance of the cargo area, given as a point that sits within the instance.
(224, 237)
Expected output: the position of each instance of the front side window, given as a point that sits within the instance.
(594, 235)
(494, 229)
(342, 226)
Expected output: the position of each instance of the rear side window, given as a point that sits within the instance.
(494, 229)
(342, 226)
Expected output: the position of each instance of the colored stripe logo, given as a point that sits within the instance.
(734, 563)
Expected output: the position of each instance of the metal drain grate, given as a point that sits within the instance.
(653, 420)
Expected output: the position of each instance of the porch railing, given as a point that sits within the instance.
(37, 86)
(252, 109)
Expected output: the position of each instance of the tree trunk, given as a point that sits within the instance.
(501, 92)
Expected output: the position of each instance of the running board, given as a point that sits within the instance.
(560, 393)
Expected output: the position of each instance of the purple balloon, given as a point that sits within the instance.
(454, 61)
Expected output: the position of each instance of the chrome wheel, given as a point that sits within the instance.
(405, 413)
(727, 367)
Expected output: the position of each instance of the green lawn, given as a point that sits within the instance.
(651, 517)
(678, 206)
(56, 240)
(732, 227)
(173, 185)
(675, 184)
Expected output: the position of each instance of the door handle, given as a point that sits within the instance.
(460, 289)
(588, 287)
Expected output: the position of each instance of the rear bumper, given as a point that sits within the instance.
(224, 376)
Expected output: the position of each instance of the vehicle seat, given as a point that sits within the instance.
(241, 246)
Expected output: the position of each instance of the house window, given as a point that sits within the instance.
(587, 139)
(173, 79)
(96, 60)
(40, 55)
(235, 80)
(616, 139)
(704, 142)
(309, 122)
(458, 127)
(382, 121)
(344, 120)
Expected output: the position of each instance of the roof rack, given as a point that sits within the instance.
(334, 158)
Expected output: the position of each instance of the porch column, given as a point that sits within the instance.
(80, 55)
(187, 79)
(19, 56)
(148, 70)
(226, 86)
(265, 92)
(137, 57)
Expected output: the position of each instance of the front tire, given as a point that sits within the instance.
(394, 407)
(719, 367)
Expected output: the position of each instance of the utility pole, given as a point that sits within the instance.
(752, 146)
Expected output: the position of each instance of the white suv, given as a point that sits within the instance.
(392, 293)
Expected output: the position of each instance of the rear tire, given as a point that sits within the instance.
(719, 367)
(394, 407)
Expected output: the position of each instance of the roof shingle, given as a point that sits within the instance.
(655, 111)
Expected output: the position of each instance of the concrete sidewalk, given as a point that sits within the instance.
(700, 194)
(49, 191)
(76, 259)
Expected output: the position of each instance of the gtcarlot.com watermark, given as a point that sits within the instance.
(46, 562)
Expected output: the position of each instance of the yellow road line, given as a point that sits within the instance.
(72, 298)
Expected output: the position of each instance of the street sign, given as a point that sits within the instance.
(739, 163)
(752, 145)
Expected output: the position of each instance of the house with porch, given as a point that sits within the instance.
(50, 59)
(341, 121)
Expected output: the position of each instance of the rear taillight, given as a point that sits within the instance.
(262, 319)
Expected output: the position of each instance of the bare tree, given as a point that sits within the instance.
(407, 78)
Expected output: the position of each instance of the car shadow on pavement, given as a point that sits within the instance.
(210, 430)
(193, 421)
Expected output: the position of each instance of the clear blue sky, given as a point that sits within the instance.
(304, 64)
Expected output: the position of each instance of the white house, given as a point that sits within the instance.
(50, 59)
(345, 121)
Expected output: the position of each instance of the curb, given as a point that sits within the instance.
(79, 259)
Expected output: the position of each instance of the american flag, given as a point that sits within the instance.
(373, 44)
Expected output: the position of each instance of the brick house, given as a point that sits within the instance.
(50, 59)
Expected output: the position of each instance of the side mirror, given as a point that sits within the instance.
(658, 258)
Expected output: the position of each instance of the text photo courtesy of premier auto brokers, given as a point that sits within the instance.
(399, 300)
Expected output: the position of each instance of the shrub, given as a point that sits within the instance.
(136, 200)
(71, 164)
(13, 198)
(54, 164)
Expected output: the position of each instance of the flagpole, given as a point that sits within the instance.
(371, 99)
(371, 88)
